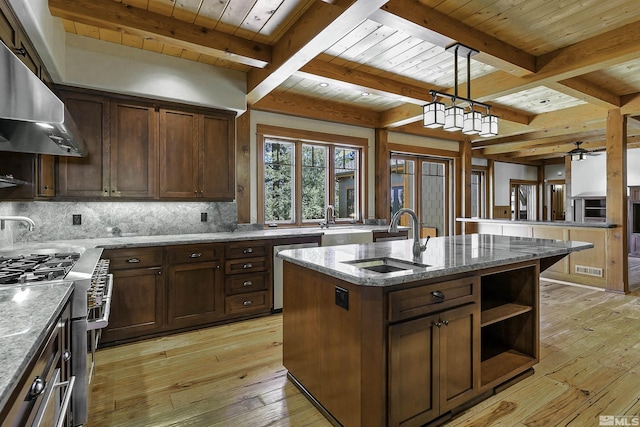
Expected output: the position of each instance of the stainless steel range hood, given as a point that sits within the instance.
(32, 118)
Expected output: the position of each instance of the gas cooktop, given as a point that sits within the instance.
(33, 268)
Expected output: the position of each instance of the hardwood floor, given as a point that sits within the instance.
(233, 374)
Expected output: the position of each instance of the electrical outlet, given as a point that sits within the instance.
(203, 216)
(342, 297)
(77, 219)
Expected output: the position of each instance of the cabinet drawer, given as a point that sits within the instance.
(427, 299)
(193, 253)
(246, 283)
(122, 259)
(246, 249)
(246, 265)
(246, 303)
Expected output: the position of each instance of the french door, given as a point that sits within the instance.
(422, 184)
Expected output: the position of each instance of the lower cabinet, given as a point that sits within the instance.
(433, 365)
(138, 299)
(195, 292)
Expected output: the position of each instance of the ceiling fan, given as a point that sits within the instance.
(578, 154)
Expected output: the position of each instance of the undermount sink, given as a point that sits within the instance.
(386, 265)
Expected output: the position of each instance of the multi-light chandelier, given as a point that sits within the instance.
(455, 118)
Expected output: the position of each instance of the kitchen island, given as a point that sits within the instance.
(376, 337)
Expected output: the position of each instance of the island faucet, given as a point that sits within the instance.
(32, 225)
(393, 228)
(329, 218)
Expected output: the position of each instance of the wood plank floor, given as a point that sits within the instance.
(232, 375)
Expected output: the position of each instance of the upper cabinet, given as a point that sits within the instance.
(138, 150)
(197, 156)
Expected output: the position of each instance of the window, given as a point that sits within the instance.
(297, 173)
(523, 199)
(478, 194)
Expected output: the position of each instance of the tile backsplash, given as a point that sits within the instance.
(55, 220)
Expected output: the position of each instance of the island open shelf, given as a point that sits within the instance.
(509, 322)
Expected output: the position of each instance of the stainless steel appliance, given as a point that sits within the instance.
(277, 272)
(90, 302)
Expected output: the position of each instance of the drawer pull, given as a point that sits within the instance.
(195, 255)
(37, 387)
(133, 260)
(247, 265)
(247, 283)
(247, 303)
(438, 294)
(248, 251)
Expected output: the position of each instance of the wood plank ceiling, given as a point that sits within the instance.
(550, 69)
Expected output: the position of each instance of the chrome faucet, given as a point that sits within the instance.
(329, 218)
(393, 228)
(32, 225)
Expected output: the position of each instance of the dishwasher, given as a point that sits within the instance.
(277, 271)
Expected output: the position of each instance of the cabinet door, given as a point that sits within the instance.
(195, 294)
(178, 154)
(459, 356)
(137, 304)
(217, 164)
(46, 176)
(414, 371)
(87, 176)
(133, 151)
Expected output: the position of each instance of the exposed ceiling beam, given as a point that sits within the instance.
(543, 142)
(587, 91)
(605, 50)
(164, 29)
(313, 108)
(318, 28)
(415, 17)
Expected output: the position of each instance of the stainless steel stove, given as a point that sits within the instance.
(90, 303)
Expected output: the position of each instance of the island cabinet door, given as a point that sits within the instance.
(459, 356)
(414, 372)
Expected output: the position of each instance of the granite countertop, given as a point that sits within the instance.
(593, 224)
(444, 256)
(177, 239)
(26, 315)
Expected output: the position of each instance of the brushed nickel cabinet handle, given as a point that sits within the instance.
(438, 294)
(248, 251)
(247, 283)
(133, 260)
(195, 255)
(247, 303)
(247, 265)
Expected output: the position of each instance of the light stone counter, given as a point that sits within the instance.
(178, 239)
(444, 256)
(26, 315)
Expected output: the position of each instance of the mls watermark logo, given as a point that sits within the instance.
(618, 420)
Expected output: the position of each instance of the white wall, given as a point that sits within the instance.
(102, 65)
(503, 172)
(589, 177)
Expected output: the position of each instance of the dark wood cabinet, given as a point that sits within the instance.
(217, 164)
(178, 154)
(138, 299)
(195, 292)
(248, 278)
(45, 175)
(86, 176)
(133, 160)
(434, 359)
(197, 155)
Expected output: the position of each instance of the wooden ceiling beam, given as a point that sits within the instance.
(605, 50)
(543, 142)
(587, 91)
(312, 108)
(414, 18)
(318, 28)
(164, 29)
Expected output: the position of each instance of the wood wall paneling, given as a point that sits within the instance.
(243, 167)
(383, 175)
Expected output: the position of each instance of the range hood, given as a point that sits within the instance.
(32, 118)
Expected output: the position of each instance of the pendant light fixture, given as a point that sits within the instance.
(454, 118)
